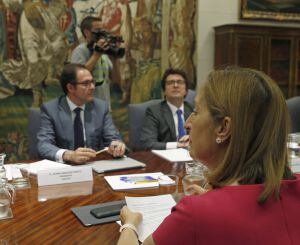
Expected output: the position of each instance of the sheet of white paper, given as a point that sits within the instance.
(153, 208)
(12, 171)
(33, 168)
(133, 181)
(174, 155)
(295, 164)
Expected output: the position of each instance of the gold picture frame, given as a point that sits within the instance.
(277, 10)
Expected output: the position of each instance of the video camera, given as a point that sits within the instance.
(113, 48)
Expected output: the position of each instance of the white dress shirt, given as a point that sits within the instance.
(173, 145)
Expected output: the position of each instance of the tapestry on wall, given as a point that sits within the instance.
(38, 36)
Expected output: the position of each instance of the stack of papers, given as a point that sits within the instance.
(174, 155)
(12, 171)
(33, 168)
(133, 181)
(154, 210)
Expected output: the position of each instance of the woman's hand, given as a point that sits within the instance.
(196, 190)
(128, 217)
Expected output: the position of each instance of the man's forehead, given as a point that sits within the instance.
(81, 73)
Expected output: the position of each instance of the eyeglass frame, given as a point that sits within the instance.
(172, 82)
(86, 83)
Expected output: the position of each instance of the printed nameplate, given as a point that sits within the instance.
(64, 175)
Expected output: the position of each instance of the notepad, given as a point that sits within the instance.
(153, 215)
(174, 155)
(133, 181)
(103, 166)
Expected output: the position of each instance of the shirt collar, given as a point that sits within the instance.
(174, 108)
(73, 106)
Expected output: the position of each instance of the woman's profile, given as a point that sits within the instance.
(239, 131)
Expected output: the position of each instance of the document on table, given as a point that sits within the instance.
(153, 208)
(295, 164)
(174, 155)
(12, 171)
(133, 181)
(33, 168)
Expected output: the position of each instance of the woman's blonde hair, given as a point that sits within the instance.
(256, 152)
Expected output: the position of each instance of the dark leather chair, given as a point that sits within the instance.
(293, 105)
(190, 97)
(34, 119)
(136, 113)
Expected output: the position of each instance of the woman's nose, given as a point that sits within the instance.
(188, 122)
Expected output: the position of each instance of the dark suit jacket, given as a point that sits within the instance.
(159, 127)
(56, 130)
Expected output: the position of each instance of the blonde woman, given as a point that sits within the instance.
(239, 131)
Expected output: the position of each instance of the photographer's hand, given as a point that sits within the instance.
(101, 44)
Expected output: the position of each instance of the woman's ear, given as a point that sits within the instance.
(223, 131)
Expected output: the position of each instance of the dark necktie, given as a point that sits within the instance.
(181, 130)
(78, 130)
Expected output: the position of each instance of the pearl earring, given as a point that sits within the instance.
(218, 140)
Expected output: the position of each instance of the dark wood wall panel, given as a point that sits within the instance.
(274, 50)
(249, 51)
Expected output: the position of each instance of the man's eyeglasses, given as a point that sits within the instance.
(172, 82)
(87, 83)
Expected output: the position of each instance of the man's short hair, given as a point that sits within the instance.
(86, 23)
(173, 71)
(69, 75)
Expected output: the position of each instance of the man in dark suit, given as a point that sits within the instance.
(76, 125)
(163, 122)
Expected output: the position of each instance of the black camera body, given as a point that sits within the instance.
(113, 49)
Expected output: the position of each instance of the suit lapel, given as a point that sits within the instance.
(66, 121)
(89, 123)
(167, 114)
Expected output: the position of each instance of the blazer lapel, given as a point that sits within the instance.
(66, 121)
(167, 114)
(89, 125)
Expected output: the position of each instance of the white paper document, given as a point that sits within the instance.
(103, 166)
(295, 164)
(33, 168)
(153, 208)
(133, 181)
(12, 171)
(174, 155)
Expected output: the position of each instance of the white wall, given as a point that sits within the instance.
(214, 13)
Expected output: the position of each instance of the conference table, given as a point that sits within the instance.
(42, 215)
